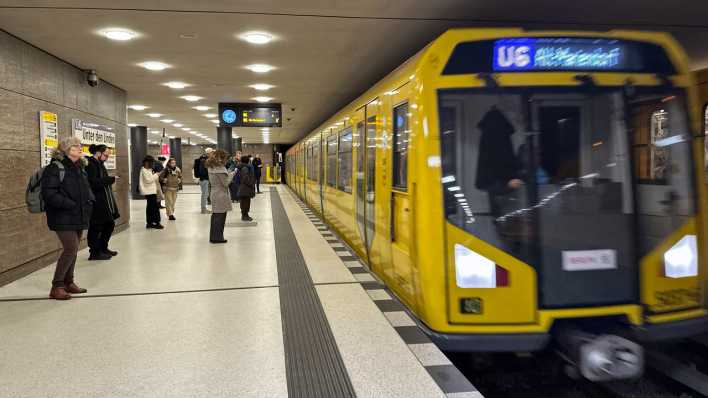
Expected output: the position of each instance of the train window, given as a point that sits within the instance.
(705, 139)
(332, 160)
(345, 161)
(401, 134)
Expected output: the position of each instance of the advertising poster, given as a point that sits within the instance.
(49, 136)
(92, 133)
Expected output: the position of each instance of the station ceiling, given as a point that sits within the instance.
(326, 52)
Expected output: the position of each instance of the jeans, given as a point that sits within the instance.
(64, 273)
(152, 211)
(204, 185)
(98, 236)
(216, 231)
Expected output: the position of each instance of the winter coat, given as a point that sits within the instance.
(106, 208)
(257, 166)
(199, 169)
(69, 202)
(171, 178)
(148, 182)
(219, 180)
(246, 175)
(497, 163)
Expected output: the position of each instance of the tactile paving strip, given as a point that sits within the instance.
(314, 366)
(445, 374)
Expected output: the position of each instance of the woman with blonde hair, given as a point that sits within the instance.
(69, 203)
(219, 180)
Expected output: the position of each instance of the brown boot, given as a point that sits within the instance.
(59, 293)
(73, 289)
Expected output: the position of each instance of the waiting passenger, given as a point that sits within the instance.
(219, 179)
(246, 188)
(69, 203)
(233, 166)
(148, 188)
(200, 174)
(257, 170)
(157, 167)
(171, 178)
(105, 210)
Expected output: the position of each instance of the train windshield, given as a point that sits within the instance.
(545, 171)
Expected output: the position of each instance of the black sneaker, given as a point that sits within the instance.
(172, 218)
(246, 218)
(218, 241)
(100, 256)
(113, 253)
(158, 226)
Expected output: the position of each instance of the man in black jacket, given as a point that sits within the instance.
(105, 209)
(257, 169)
(200, 173)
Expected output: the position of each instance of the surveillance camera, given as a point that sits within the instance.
(92, 78)
(292, 109)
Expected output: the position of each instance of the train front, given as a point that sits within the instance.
(569, 187)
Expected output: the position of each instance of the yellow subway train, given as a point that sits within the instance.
(524, 189)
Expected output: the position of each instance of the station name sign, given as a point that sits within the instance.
(250, 115)
(539, 54)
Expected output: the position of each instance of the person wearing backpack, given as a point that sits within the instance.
(202, 175)
(68, 203)
(246, 188)
(105, 210)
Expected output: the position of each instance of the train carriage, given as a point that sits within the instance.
(517, 189)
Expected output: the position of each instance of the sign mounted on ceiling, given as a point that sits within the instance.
(250, 115)
(559, 54)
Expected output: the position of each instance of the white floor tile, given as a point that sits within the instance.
(429, 354)
(399, 318)
(379, 294)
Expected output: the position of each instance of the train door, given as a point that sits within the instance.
(360, 147)
(400, 195)
(373, 209)
(320, 165)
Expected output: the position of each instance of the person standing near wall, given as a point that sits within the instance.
(69, 203)
(201, 174)
(257, 171)
(105, 210)
(148, 188)
(171, 178)
(220, 179)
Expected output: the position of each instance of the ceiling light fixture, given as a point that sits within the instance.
(210, 115)
(260, 68)
(262, 86)
(167, 120)
(191, 98)
(154, 115)
(202, 108)
(263, 99)
(178, 125)
(119, 34)
(185, 128)
(154, 65)
(138, 107)
(256, 37)
(176, 85)
(132, 124)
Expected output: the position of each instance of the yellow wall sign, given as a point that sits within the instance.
(49, 136)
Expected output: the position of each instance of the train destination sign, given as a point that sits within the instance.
(529, 54)
(250, 115)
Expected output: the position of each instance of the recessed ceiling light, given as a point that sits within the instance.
(263, 99)
(260, 68)
(154, 115)
(176, 85)
(210, 115)
(138, 107)
(261, 86)
(156, 132)
(191, 98)
(256, 37)
(119, 34)
(185, 128)
(202, 108)
(178, 125)
(167, 120)
(132, 124)
(154, 65)
(215, 121)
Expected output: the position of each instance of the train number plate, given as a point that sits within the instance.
(589, 260)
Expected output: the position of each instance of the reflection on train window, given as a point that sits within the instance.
(537, 172)
(345, 161)
(332, 161)
(401, 135)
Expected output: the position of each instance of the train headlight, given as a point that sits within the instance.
(682, 259)
(473, 270)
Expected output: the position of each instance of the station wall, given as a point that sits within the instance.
(31, 81)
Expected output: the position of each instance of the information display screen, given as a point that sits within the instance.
(250, 115)
(560, 54)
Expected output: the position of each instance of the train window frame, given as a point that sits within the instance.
(344, 166)
(705, 141)
(332, 169)
(400, 178)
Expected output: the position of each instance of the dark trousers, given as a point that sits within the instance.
(216, 231)
(258, 182)
(98, 236)
(64, 274)
(245, 206)
(152, 211)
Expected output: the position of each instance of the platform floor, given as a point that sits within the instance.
(283, 309)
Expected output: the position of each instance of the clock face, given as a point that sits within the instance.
(228, 116)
